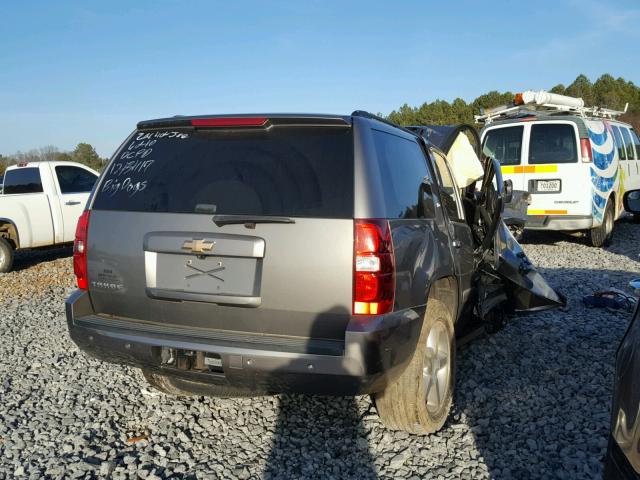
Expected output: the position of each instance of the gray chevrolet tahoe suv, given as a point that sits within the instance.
(323, 254)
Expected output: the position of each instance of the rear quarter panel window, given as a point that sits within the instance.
(622, 153)
(636, 142)
(552, 143)
(627, 143)
(403, 167)
(504, 144)
(282, 171)
(22, 180)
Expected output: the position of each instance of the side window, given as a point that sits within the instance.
(636, 142)
(448, 188)
(504, 144)
(402, 166)
(22, 180)
(74, 179)
(622, 153)
(552, 143)
(628, 143)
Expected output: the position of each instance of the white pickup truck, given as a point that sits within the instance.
(40, 205)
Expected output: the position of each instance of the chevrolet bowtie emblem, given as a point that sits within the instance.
(198, 245)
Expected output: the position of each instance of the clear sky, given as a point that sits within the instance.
(88, 71)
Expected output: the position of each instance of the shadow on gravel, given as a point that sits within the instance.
(28, 258)
(537, 394)
(319, 437)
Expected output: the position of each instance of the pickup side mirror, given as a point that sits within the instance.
(632, 201)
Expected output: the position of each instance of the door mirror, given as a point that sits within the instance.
(507, 191)
(632, 201)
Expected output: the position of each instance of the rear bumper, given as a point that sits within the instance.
(559, 222)
(372, 356)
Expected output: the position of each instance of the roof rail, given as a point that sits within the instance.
(365, 114)
(542, 102)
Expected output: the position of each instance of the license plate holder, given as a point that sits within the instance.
(549, 186)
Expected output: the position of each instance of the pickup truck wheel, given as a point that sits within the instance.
(601, 235)
(6, 256)
(419, 401)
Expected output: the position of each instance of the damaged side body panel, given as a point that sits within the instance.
(505, 280)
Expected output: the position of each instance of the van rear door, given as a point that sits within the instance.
(240, 229)
(558, 181)
(505, 144)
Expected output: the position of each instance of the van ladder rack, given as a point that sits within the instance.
(539, 103)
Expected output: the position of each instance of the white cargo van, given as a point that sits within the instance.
(576, 162)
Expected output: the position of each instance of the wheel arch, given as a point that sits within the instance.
(9, 231)
(446, 289)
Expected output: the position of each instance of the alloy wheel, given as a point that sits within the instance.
(436, 368)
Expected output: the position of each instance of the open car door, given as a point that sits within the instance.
(504, 278)
(505, 274)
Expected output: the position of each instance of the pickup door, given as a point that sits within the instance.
(74, 185)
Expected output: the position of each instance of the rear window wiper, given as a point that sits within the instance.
(248, 220)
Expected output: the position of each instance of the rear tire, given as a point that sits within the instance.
(6, 255)
(601, 236)
(419, 401)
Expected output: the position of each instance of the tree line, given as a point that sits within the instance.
(605, 92)
(83, 153)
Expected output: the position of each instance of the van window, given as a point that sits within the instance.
(74, 179)
(622, 153)
(448, 188)
(552, 143)
(636, 142)
(628, 143)
(22, 180)
(504, 144)
(402, 166)
(282, 171)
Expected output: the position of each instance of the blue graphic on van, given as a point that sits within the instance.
(599, 201)
(603, 184)
(598, 138)
(604, 155)
(602, 160)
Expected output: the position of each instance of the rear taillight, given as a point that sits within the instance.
(585, 149)
(80, 251)
(373, 268)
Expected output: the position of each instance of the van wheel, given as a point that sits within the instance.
(420, 400)
(601, 236)
(6, 256)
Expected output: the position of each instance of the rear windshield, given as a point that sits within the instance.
(282, 171)
(504, 144)
(23, 180)
(552, 143)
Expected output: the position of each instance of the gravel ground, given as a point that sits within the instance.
(532, 400)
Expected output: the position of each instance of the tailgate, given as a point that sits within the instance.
(281, 279)
(246, 228)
